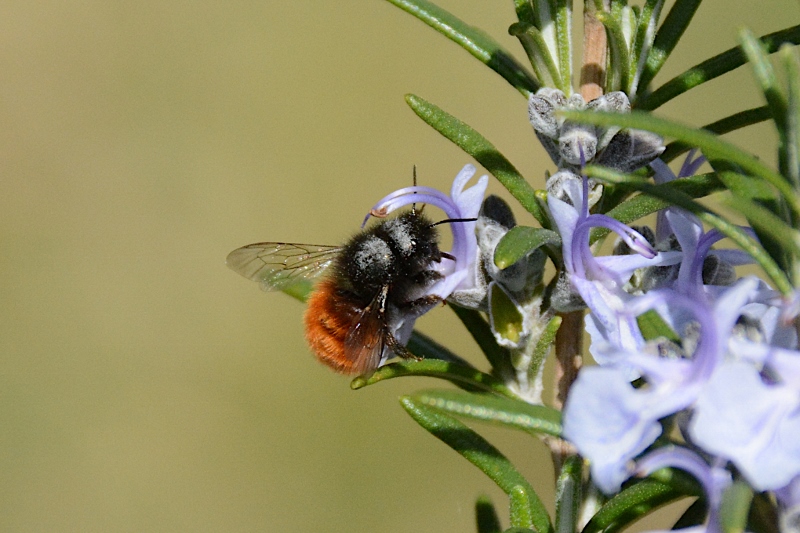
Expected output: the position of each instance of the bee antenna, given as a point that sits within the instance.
(451, 220)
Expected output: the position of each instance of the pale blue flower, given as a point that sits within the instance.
(754, 424)
(600, 281)
(462, 203)
(609, 420)
(713, 478)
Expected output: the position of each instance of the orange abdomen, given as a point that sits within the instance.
(329, 318)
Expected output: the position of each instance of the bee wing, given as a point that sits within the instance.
(369, 336)
(279, 265)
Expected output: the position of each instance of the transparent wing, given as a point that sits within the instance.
(279, 265)
(370, 337)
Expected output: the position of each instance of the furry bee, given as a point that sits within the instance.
(375, 283)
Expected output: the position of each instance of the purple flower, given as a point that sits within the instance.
(754, 424)
(610, 421)
(600, 281)
(713, 478)
(461, 204)
(741, 391)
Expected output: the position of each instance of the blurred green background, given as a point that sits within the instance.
(146, 387)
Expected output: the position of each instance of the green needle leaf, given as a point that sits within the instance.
(563, 21)
(653, 326)
(524, 10)
(486, 516)
(768, 223)
(791, 166)
(480, 453)
(713, 67)
(619, 59)
(763, 514)
(521, 516)
(474, 41)
(536, 48)
(668, 35)
(735, 507)
(423, 346)
(520, 241)
(765, 76)
(640, 498)
(455, 373)
(748, 117)
(711, 145)
(473, 143)
(534, 419)
(568, 495)
(642, 205)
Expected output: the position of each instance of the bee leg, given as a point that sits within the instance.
(400, 350)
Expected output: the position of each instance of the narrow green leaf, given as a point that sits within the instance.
(713, 67)
(563, 21)
(633, 209)
(474, 41)
(639, 498)
(750, 189)
(513, 413)
(764, 73)
(748, 117)
(735, 507)
(520, 241)
(436, 369)
(486, 517)
(668, 35)
(568, 495)
(673, 197)
(765, 76)
(479, 328)
(518, 530)
(473, 143)
(617, 75)
(521, 515)
(480, 453)
(791, 166)
(646, 23)
(536, 48)
(768, 223)
(423, 346)
(711, 145)
(653, 326)
(524, 10)
(763, 514)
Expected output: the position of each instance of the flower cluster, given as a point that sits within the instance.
(728, 377)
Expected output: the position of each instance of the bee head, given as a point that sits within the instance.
(414, 240)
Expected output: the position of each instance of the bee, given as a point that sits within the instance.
(375, 284)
